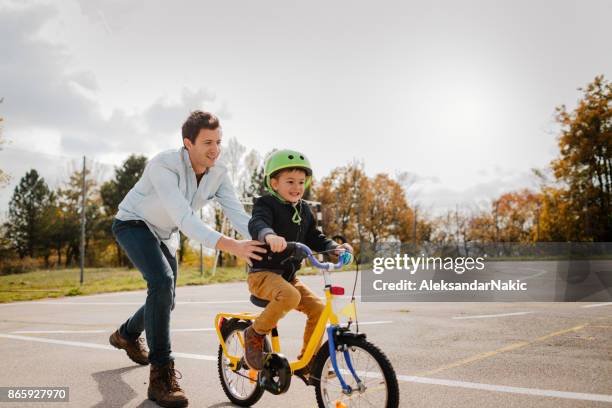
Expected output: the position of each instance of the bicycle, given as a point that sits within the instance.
(347, 369)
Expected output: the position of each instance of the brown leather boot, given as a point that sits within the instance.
(135, 349)
(164, 388)
(254, 348)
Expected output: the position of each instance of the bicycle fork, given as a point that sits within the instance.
(333, 346)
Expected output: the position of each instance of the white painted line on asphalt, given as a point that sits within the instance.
(96, 346)
(61, 342)
(540, 273)
(193, 330)
(512, 390)
(405, 378)
(186, 330)
(597, 305)
(375, 322)
(61, 303)
(58, 331)
(195, 356)
(491, 315)
(99, 331)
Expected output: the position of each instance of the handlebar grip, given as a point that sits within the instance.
(298, 249)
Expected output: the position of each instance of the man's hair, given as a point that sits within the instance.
(197, 121)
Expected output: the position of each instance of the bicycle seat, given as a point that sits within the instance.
(258, 301)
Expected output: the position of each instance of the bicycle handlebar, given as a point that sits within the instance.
(303, 251)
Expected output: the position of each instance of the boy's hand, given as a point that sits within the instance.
(277, 244)
(342, 248)
(345, 253)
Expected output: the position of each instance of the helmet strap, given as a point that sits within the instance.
(296, 219)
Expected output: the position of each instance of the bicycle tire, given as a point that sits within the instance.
(322, 361)
(230, 327)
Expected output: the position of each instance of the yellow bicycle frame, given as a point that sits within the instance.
(312, 346)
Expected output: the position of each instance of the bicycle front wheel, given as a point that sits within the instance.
(379, 386)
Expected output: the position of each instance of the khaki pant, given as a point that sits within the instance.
(284, 296)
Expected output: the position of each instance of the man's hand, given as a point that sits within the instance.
(243, 249)
(277, 244)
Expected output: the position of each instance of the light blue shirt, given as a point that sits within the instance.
(167, 198)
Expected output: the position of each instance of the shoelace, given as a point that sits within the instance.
(140, 342)
(173, 379)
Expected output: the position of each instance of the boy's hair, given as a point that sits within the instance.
(277, 173)
(197, 121)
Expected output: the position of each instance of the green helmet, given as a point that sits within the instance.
(283, 159)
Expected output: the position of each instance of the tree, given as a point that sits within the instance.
(69, 202)
(515, 216)
(27, 209)
(113, 191)
(584, 164)
(362, 209)
(387, 213)
(4, 178)
(343, 194)
(256, 187)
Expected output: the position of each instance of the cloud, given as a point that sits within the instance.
(51, 114)
(41, 91)
(478, 195)
(163, 116)
(112, 14)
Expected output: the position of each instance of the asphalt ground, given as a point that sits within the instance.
(445, 354)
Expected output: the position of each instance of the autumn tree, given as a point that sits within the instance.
(387, 213)
(343, 194)
(556, 219)
(584, 164)
(363, 209)
(515, 216)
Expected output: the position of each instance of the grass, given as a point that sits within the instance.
(57, 283)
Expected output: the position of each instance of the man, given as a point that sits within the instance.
(166, 200)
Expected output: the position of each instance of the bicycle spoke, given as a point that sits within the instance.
(369, 373)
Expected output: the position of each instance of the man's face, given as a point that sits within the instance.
(206, 149)
(289, 185)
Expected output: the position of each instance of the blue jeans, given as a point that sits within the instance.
(159, 269)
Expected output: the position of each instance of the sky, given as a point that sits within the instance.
(459, 94)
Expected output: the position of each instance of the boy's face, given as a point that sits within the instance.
(206, 149)
(289, 185)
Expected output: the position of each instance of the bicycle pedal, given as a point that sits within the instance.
(305, 378)
(252, 375)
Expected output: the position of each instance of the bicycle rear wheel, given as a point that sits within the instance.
(379, 383)
(240, 386)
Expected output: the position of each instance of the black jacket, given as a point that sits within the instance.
(270, 216)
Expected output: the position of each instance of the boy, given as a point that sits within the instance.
(279, 217)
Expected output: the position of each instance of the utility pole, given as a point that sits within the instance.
(218, 252)
(414, 226)
(83, 193)
(538, 222)
(201, 249)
